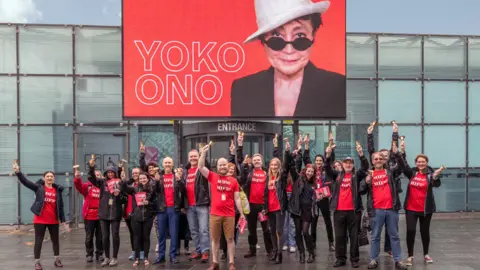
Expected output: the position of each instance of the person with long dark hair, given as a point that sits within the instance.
(47, 209)
(91, 202)
(110, 210)
(144, 209)
(303, 205)
(419, 203)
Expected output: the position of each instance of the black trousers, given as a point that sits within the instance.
(40, 230)
(93, 230)
(252, 220)
(276, 221)
(132, 234)
(324, 207)
(142, 231)
(346, 221)
(411, 218)
(223, 240)
(302, 234)
(114, 225)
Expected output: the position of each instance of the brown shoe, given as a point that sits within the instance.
(205, 257)
(232, 267)
(58, 263)
(195, 256)
(214, 266)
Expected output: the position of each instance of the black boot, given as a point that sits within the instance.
(302, 257)
(279, 258)
(274, 255)
(311, 257)
(252, 252)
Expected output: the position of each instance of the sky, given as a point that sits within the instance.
(380, 16)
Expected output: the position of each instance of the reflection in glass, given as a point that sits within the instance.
(345, 137)
(400, 57)
(8, 61)
(361, 56)
(445, 145)
(444, 57)
(98, 51)
(8, 148)
(413, 140)
(219, 149)
(473, 146)
(440, 96)
(53, 105)
(46, 50)
(159, 138)
(474, 58)
(399, 95)
(450, 196)
(193, 143)
(361, 100)
(473, 101)
(8, 200)
(8, 100)
(99, 100)
(474, 189)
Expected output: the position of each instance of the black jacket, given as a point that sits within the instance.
(202, 189)
(357, 176)
(280, 184)
(39, 189)
(142, 212)
(179, 195)
(323, 94)
(392, 174)
(299, 183)
(430, 206)
(106, 211)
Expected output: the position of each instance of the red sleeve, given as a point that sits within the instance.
(236, 187)
(211, 176)
(81, 187)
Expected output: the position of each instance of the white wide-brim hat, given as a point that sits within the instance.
(272, 14)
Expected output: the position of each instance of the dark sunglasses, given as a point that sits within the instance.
(278, 44)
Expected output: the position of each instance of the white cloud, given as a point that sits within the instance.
(19, 11)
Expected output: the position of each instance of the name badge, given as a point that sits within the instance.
(224, 197)
(318, 185)
(110, 201)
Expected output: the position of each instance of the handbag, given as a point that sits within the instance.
(245, 203)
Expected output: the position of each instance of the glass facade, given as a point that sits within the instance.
(61, 100)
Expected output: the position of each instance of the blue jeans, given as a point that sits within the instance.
(289, 228)
(389, 218)
(169, 219)
(198, 222)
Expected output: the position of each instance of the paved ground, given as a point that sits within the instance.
(455, 245)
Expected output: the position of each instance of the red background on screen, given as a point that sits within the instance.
(204, 21)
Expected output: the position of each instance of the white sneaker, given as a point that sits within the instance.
(428, 259)
(292, 250)
(156, 249)
(409, 261)
(258, 246)
(285, 248)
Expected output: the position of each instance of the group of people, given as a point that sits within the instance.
(285, 195)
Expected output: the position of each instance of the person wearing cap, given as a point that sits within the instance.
(293, 86)
(346, 204)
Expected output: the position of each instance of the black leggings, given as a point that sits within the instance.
(132, 234)
(302, 233)
(142, 231)
(411, 218)
(276, 220)
(252, 220)
(93, 230)
(324, 207)
(115, 226)
(40, 229)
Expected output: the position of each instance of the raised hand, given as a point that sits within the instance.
(371, 128)
(394, 126)
(287, 146)
(437, 172)
(240, 138)
(142, 147)
(16, 168)
(275, 141)
(77, 174)
(359, 148)
(92, 161)
(306, 139)
(300, 141)
(369, 177)
(232, 147)
(178, 174)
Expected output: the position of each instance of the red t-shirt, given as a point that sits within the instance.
(49, 210)
(257, 188)
(168, 189)
(345, 198)
(192, 172)
(222, 189)
(273, 203)
(417, 193)
(382, 195)
(289, 188)
(93, 203)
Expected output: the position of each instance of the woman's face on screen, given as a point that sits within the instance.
(289, 61)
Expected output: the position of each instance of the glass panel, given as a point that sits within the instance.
(400, 57)
(474, 58)
(393, 95)
(191, 143)
(107, 143)
(318, 139)
(53, 105)
(268, 152)
(361, 101)
(473, 101)
(444, 57)
(46, 50)
(450, 196)
(413, 140)
(439, 96)
(159, 141)
(313, 122)
(345, 137)
(27, 197)
(8, 61)
(46, 148)
(8, 200)
(474, 189)
(8, 100)
(219, 149)
(8, 148)
(440, 140)
(288, 133)
(361, 56)
(98, 51)
(99, 100)
(473, 146)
